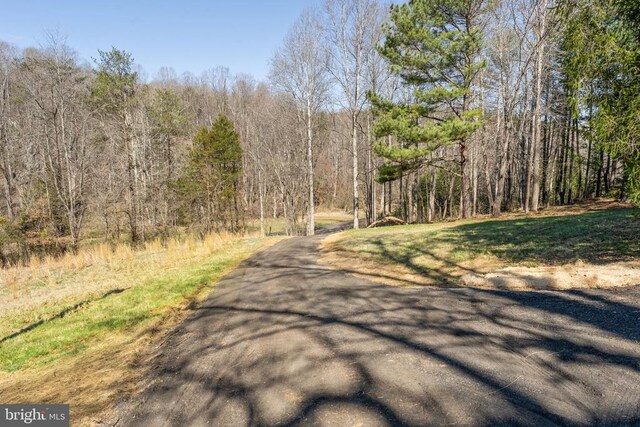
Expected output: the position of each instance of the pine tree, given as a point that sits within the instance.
(210, 185)
(434, 46)
(601, 64)
(113, 92)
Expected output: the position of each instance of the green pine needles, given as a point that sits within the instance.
(210, 187)
(434, 46)
(600, 53)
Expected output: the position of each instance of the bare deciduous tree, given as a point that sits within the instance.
(299, 70)
(58, 88)
(351, 28)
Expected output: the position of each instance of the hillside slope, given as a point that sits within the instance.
(569, 248)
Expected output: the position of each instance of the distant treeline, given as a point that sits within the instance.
(428, 110)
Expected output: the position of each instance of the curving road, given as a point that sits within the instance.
(283, 341)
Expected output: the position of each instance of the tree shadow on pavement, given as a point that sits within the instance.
(285, 342)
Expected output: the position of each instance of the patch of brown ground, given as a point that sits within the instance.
(570, 276)
(97, 379)
(488, 273)
(592, 205)
(89, 383)
(442, 274)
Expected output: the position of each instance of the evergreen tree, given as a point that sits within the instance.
(434, 46)
(601, 63)
(113, 92)
(168, 121)
(114, 87)
(210, 185)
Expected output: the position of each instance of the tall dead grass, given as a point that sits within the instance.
(47, 282)
(108, 339)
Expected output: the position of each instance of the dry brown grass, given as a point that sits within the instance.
(274, 226)
(90, 383)
(393, 273)
(96, 380)
(594, 205)
(105, 361)
(46, 284)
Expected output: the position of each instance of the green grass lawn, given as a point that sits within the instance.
(441, 253)
(104, 325)
(119, 310)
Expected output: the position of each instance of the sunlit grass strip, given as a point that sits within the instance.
(148, 283)
(440, 254)
(47, 286)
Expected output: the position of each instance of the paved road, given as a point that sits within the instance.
(284, 341)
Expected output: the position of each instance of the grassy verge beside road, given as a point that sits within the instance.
(75, 329)
(590, 249)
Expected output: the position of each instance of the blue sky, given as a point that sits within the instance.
(188, 35)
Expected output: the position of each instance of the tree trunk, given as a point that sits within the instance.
(432, 195)
(311, 218)
(465, 187)
(586, 193)
(354, 147)
(535, 128)
(261, 200)
(571, 156)
(131, 183)
(502, 174)
(599, 177)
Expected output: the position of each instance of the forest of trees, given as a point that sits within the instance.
(428, 110)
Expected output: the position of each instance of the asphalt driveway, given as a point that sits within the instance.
(283, 341)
